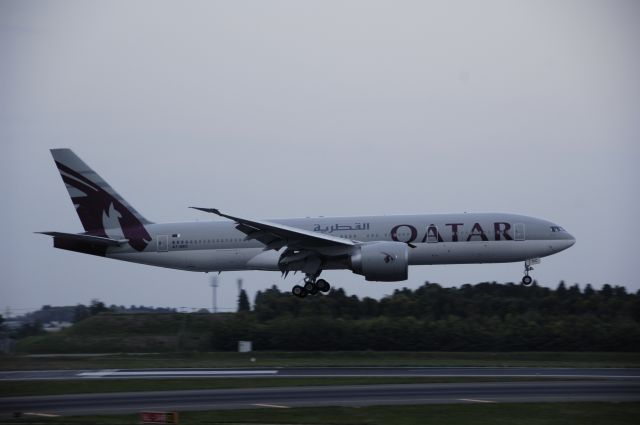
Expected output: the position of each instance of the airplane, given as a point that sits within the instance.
(380, 248)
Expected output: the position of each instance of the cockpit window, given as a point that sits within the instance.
(557, 229)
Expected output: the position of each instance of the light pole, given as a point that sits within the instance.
(214, 287)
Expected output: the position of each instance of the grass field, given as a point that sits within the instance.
(476, 414)
(54, 387)
(311, 359)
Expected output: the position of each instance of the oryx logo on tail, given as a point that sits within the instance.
(101, 210)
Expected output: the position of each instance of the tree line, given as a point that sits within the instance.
(32, 323)
(482, 317)
(434, 302)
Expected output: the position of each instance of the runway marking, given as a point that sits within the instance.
(276, 406)
(475, 400)
(98, 374)
(115, 373)
(426, 375)
(46, 415)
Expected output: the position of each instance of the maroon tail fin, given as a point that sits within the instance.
(101, 210)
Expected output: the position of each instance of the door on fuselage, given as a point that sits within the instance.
(519, 233)
(163, 243)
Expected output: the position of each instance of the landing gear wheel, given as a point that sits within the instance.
(528, 280)
(310, 286)
(299, 291)
(323, 285)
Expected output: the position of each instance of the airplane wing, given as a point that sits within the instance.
(276, 236)
(98, 240)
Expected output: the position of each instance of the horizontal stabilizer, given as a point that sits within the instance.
(97, 240)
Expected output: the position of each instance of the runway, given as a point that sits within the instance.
(480, 372)
(282, 398)
(570, 384)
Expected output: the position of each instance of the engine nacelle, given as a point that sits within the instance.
(382, 261)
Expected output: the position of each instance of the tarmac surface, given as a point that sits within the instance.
(569, 384)
(287, 397)
(483, 372)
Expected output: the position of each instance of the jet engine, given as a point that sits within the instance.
(381, 261)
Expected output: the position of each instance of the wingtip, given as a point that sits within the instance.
(209, 210)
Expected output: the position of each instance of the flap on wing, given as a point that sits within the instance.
(275, 235)
(86, 238)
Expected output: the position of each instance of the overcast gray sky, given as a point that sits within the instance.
(274, 109)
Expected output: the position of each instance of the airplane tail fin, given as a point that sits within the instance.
(102, 211)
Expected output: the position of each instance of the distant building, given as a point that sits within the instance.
(56, 326)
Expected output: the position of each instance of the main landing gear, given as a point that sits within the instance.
(311, 287)
(526, 279)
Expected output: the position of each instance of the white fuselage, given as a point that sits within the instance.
(434, 239)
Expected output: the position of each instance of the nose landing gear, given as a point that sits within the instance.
(526, 279)
(311, 287)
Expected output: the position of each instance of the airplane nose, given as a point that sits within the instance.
(563, 239)
(568, 241)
